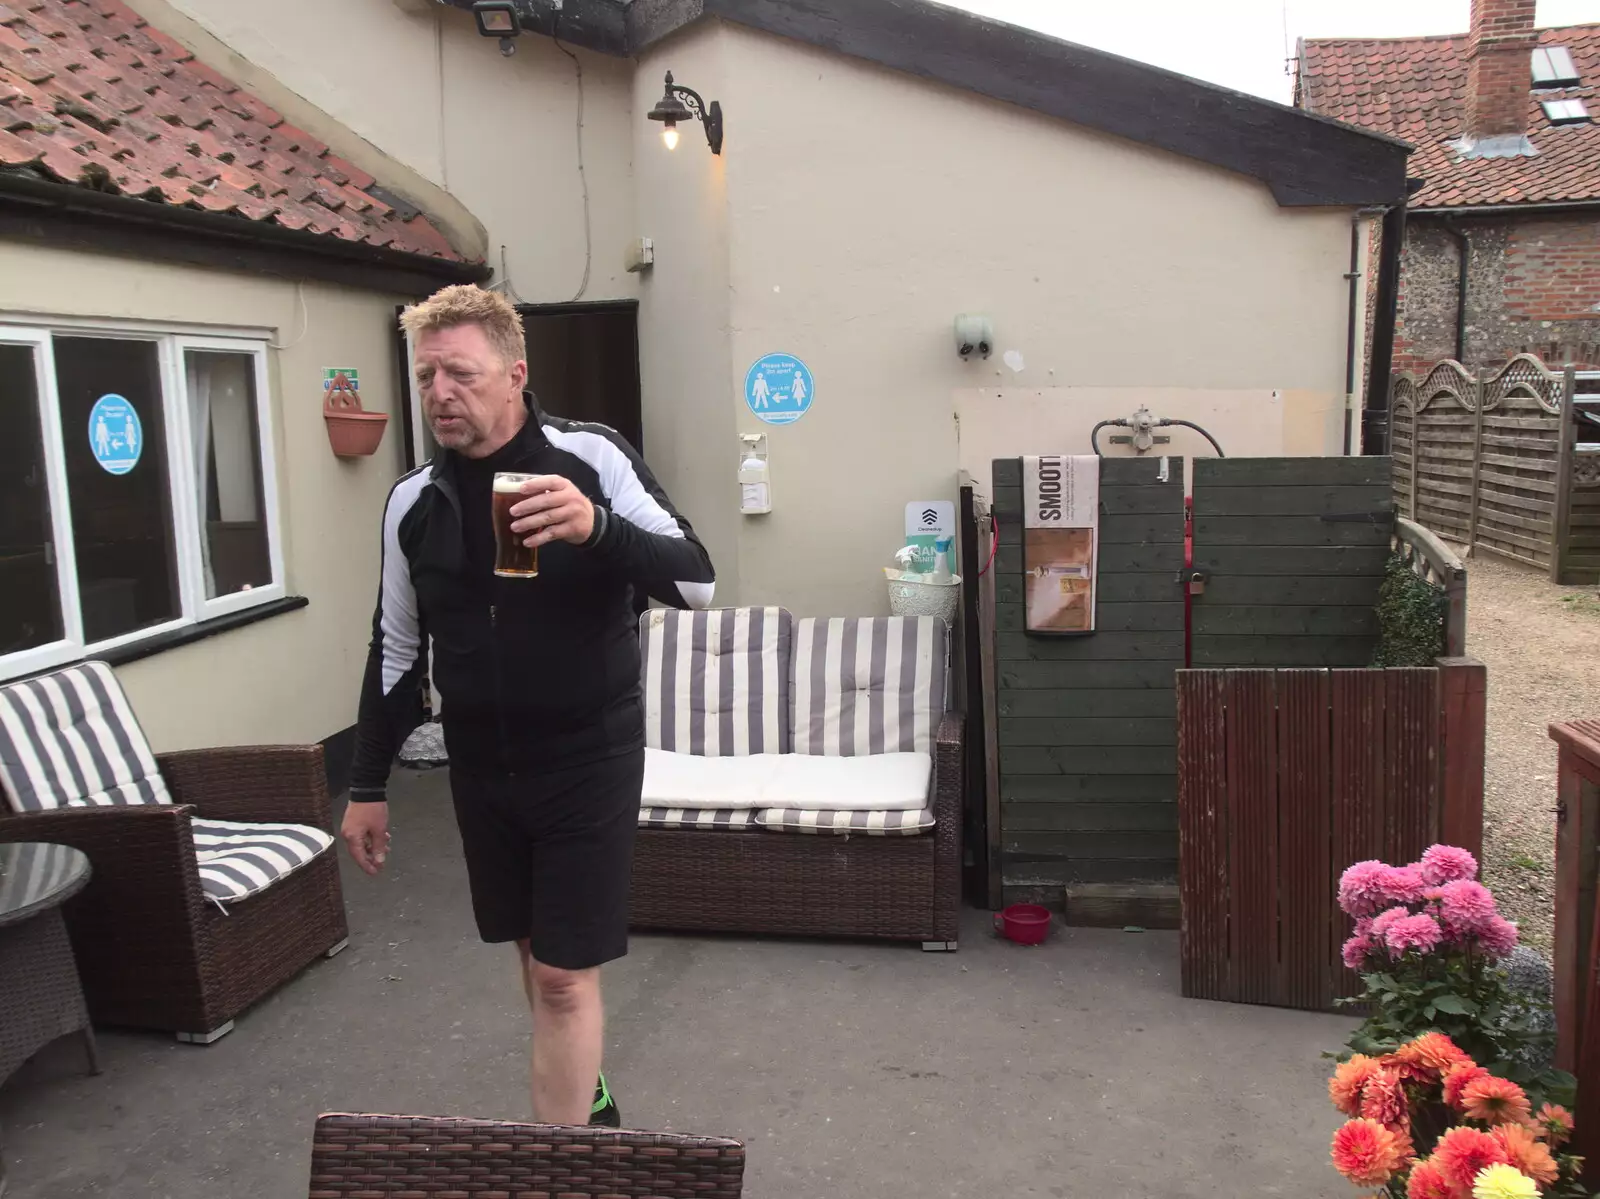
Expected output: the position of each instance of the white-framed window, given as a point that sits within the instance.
(138, 493)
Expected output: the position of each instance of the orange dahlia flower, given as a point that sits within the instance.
(1384, 1098)
(1349, 1080)
(1461, 1152)
(1427, 1181)
(1433, 1052)
(1554, 1123)
(1527, 1152)
(1496, 1101)
(1366, 1152)
(1458, 1079)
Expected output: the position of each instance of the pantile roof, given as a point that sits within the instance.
(1415, 89)
(94, 96)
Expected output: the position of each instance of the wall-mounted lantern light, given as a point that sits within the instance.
(498, 18)
(684, 104)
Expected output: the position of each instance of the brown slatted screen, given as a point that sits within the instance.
(1285, 778)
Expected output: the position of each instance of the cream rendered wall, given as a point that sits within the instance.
(293, 678)
(499, 134)
(684, 306)
(867, 208)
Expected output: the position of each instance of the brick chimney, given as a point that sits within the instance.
(1499, 74)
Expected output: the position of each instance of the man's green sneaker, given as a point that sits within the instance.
(604, 1110)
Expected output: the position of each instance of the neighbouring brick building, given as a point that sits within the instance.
(1502, 250)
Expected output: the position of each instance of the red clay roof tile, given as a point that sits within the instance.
(92, 95)
(1415, 88)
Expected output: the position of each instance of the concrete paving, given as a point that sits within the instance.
(1073, 1069)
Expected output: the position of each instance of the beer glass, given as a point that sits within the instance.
(512, 559)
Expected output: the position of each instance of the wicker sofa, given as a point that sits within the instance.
(769, 740)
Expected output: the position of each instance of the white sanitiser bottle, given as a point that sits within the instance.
(755, 483)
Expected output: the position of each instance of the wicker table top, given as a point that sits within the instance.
(36, 876)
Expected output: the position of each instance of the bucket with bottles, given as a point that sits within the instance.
(921, 582)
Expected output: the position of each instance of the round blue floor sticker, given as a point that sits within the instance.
(778, 389)
(115, 436)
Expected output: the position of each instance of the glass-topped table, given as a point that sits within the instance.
(40, 995)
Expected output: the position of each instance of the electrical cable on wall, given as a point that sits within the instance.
(588, 236)
(504, 284)
(305, 321)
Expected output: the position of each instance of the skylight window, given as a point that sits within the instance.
(1565, 112)
(1552, 67)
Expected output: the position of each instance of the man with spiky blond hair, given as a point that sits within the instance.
(538, 673)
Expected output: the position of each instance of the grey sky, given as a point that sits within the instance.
(1240, 43)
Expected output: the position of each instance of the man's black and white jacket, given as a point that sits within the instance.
(533, 674)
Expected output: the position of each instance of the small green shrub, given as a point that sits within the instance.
(1410, 618)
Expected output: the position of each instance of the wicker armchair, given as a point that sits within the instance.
(368, 1157)
(153, 952)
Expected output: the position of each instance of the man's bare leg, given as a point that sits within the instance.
(568, 1032)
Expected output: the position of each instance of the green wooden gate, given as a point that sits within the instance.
(1087, 726)
(1289, 554)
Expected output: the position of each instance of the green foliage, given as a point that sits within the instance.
(1464, 996)
(1410, 618)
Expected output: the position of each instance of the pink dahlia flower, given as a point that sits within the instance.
(1361, 888)
(1421, 933)
(1465, 907)
(1383, 921)
(1442, 864)
(1404, 884)
(1499, 938)
(1355, 952)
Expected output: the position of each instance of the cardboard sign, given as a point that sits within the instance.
(1060, 542)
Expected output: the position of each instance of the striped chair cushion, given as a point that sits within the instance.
(716, 683)
(713, 818)
(69, 739)
(872, 824)
(867, 685)
(240, 860)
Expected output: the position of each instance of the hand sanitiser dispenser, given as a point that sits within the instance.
(755, 482)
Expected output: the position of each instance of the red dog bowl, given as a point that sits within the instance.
(1024, 923)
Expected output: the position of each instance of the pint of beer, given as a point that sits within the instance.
(512, 559)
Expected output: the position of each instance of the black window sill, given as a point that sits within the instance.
(161, 642)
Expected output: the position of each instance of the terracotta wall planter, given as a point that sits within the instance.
(352, 432)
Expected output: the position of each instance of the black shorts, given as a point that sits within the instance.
(550, 857)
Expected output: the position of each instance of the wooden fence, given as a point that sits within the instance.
(1288, 776)
(1493, 461)
(1432, 561)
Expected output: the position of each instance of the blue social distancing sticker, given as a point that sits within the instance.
(116, 438)
(778, 389)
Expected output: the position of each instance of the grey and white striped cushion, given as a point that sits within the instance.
(704, 818)
(69, 739)
(716, 682)
(239, 860)
(867, 685)
(871, 824)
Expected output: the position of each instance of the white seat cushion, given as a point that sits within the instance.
(877, 782)
(240, 860)
(871, 824)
